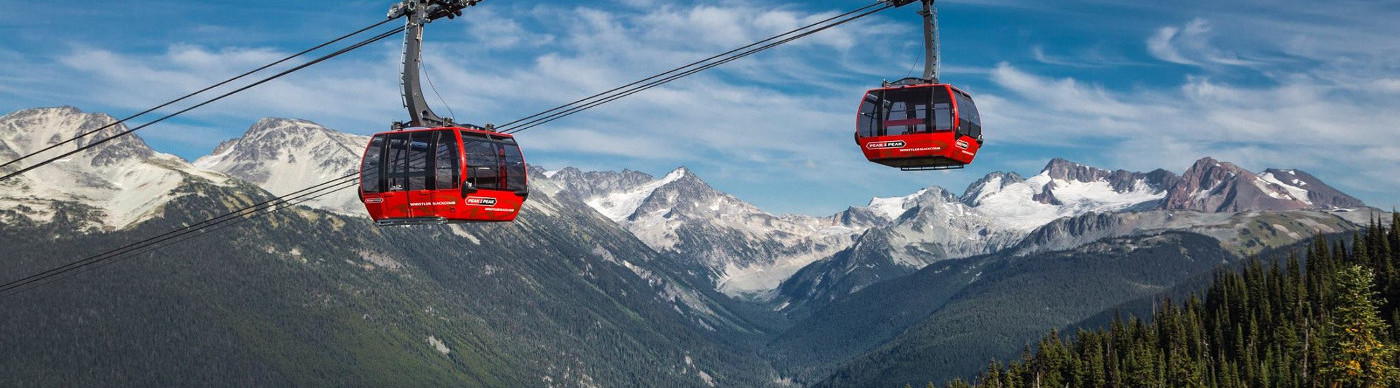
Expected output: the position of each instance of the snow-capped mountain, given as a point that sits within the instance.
(1303, 185)
(1069, 204)
(117, 184)
(283, 156)
(744, 249)
(561, 266)
(594, 184)
(748, 251)
(1063, 189)
(930, 226)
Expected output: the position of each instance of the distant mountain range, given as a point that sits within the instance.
(733, 288)
(561, 297)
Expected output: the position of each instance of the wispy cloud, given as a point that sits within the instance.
(1191, 45)
(1092, 57)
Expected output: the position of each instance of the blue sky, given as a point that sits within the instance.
(1135, 85)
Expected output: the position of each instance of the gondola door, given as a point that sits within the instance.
(394, 198)
(446, 173)
(418, 176)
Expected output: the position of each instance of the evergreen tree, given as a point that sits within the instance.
(1356, 356)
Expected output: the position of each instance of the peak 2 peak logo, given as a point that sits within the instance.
(481, 201)
(884, 145)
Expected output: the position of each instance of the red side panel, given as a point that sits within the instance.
(488, 205)
(392, 204)
(928, 146)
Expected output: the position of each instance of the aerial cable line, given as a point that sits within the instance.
(187, 96)
(240, 216)
(203, 228)
(637, 89)
(348, 181)
(692, 64)
(206, 102)
(101, 261)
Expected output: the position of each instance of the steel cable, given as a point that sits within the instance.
(207, 102)
(317, 191)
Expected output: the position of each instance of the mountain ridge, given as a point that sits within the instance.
(268, 155)
(676, 273)
(123, 179)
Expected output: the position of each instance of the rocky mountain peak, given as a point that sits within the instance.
(861, 217)
(1122, 181)
(271, 135)
(31, 130)
(285, 155)
(991, 183)
(283, 125)
(1302, 185)
(683, 176)
(683, 190)
(123, 179)
(1063, 169)
(1062, 182)
(1208, 171)
(589, 184)
(1214, 186)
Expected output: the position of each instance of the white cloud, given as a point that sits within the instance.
(1063, 95)
(1192, 45)
(342, 89)
(1160, 45)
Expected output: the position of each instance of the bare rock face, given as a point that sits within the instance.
(1214, 186)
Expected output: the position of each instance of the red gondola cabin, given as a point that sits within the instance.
(917, 125)
(442, 175)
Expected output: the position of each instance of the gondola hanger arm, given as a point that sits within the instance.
(931, 53)
(419, 13)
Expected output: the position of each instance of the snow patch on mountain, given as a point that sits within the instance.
(283, 156)
(1067, 204)
(123, 179)
(892, 208)
(619, 206)
(1013, 207)
(1028, 204)
(745, 250)
(1295, 188)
